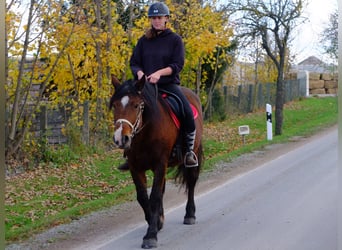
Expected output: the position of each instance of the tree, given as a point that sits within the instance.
(207, 35)
(330, 36)
(33, 40)
(214, 71)
(75, 45)
(73, 49)
(271, 21)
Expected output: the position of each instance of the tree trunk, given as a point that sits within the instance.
(17, 98)
(208, 106)
(198, 76)
(99, 65)
(109, 36)
(279, 105)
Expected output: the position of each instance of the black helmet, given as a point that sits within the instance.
(158, 9)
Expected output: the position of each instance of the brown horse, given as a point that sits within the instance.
(148, 135)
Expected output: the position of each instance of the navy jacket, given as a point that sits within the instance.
(150, 55)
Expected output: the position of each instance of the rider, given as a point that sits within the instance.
(159, 56)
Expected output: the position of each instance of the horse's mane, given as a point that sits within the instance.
(149, 94)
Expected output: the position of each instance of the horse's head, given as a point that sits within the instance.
(128, 104)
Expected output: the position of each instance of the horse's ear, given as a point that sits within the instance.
(116, 83)
(139, 85)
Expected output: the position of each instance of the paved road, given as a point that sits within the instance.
(288, 203)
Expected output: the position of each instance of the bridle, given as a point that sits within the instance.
(136, 127)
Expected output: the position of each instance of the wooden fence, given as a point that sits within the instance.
(50, 124)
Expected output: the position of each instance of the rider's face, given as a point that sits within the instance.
(159, 22)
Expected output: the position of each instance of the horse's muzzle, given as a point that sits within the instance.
(121, 139)
(124, 142)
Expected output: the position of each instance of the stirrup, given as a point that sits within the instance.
(193, 161)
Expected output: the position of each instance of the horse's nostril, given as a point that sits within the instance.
(126, 139)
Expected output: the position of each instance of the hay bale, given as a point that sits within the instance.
(317, 91)
(316, 84)
(314, 76)
(330, 84)
(331, 91)
(327, 76)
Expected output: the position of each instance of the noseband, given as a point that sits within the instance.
(136, 126)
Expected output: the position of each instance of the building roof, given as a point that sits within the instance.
(311, 60)
(313, 64)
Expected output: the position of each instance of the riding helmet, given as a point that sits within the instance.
(158, 9)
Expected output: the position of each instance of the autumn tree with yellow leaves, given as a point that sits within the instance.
(75, 46)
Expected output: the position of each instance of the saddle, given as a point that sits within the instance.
(176, 110)
(175, 107)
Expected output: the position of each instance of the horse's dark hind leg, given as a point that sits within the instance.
(191, 177)
(161, 211)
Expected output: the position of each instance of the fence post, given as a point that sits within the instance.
(43, 122)
(305, 75)
(85, 128)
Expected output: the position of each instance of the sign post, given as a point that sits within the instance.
(243, 131)
(269, 121)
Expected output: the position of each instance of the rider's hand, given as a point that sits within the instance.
(154, 77)
(140, 74)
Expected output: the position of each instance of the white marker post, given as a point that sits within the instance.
(269, 121)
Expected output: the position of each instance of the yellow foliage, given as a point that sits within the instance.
(203, 30)
(76, 55)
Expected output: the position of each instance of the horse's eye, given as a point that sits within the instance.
(136, 106)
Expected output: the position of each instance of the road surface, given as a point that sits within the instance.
(287, 203)
(280, 198)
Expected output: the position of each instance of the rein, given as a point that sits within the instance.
(135, 127)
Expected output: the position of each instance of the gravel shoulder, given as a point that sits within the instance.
(97, 227)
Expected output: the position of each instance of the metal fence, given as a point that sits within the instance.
(248, 97)
(236, 99)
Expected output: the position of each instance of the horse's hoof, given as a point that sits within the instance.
(160, 223)
(149, 243)
(189, 220)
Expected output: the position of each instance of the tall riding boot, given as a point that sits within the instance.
(123, 166)
(190, 159)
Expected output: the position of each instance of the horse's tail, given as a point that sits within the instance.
(189, 176)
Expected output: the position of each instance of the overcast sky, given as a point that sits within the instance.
(308, 35)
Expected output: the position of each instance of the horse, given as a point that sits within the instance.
(147, 133)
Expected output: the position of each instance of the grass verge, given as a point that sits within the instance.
(54, 194)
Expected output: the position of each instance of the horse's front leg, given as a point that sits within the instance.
(156, 209)
(139, 179)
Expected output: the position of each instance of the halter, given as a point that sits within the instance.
(134, 127)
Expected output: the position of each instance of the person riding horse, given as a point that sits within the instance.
(159, 56)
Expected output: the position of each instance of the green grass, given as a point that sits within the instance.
(55, 193)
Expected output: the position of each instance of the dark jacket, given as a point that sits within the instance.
(152, 54)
